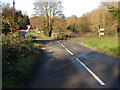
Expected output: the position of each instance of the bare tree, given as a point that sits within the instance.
(48, 10)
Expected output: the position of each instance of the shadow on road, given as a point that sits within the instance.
(43, 41)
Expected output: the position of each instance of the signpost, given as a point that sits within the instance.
(100, 33)
(102, 29)
(28, 28)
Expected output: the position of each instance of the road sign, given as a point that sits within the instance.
(102, 29)
(28, 26)
(101, 33)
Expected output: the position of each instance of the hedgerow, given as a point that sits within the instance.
(18, 59)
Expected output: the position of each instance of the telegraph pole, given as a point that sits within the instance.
(13, 9)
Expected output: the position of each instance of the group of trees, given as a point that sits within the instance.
(10, 22)
(49, 17)
(106, 15)
(48, 11)
(59, 24)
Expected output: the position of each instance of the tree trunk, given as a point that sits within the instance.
(50, 32)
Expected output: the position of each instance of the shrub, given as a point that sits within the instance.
(18, 61)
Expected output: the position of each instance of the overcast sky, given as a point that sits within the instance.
(71, 7)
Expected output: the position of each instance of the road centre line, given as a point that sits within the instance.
(93, 74)
(58, 42)
(90, 71)
(69, 51)
(66, 48)
(63, 45)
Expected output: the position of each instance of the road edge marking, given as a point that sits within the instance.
(90, 71)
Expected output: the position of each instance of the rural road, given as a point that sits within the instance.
(69, 64)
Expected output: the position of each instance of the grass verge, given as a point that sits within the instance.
(105, 45)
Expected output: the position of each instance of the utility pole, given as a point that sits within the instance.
(13, 9)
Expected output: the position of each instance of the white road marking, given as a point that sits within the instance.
(66, 48)
(69, 51)
(93, 74)
(58, 42)
(90, 71)
(63, 45)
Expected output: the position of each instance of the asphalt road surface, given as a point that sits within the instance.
(69, 64)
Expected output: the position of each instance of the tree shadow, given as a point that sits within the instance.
(42, 41)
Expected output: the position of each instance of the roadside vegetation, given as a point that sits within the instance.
(10, 23)
(105, 45)
(107, 16)
(19, 57)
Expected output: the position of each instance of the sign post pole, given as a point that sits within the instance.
(100, 33)
(29, 33)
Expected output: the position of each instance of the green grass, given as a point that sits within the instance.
(105, 45)
(40, 36)
(36, 35)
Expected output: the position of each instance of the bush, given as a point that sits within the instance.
(18, 61)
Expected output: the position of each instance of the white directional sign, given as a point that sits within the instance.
(101, 33)
(102, 29)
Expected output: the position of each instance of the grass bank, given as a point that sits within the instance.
(105, 45)
(19, 57)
